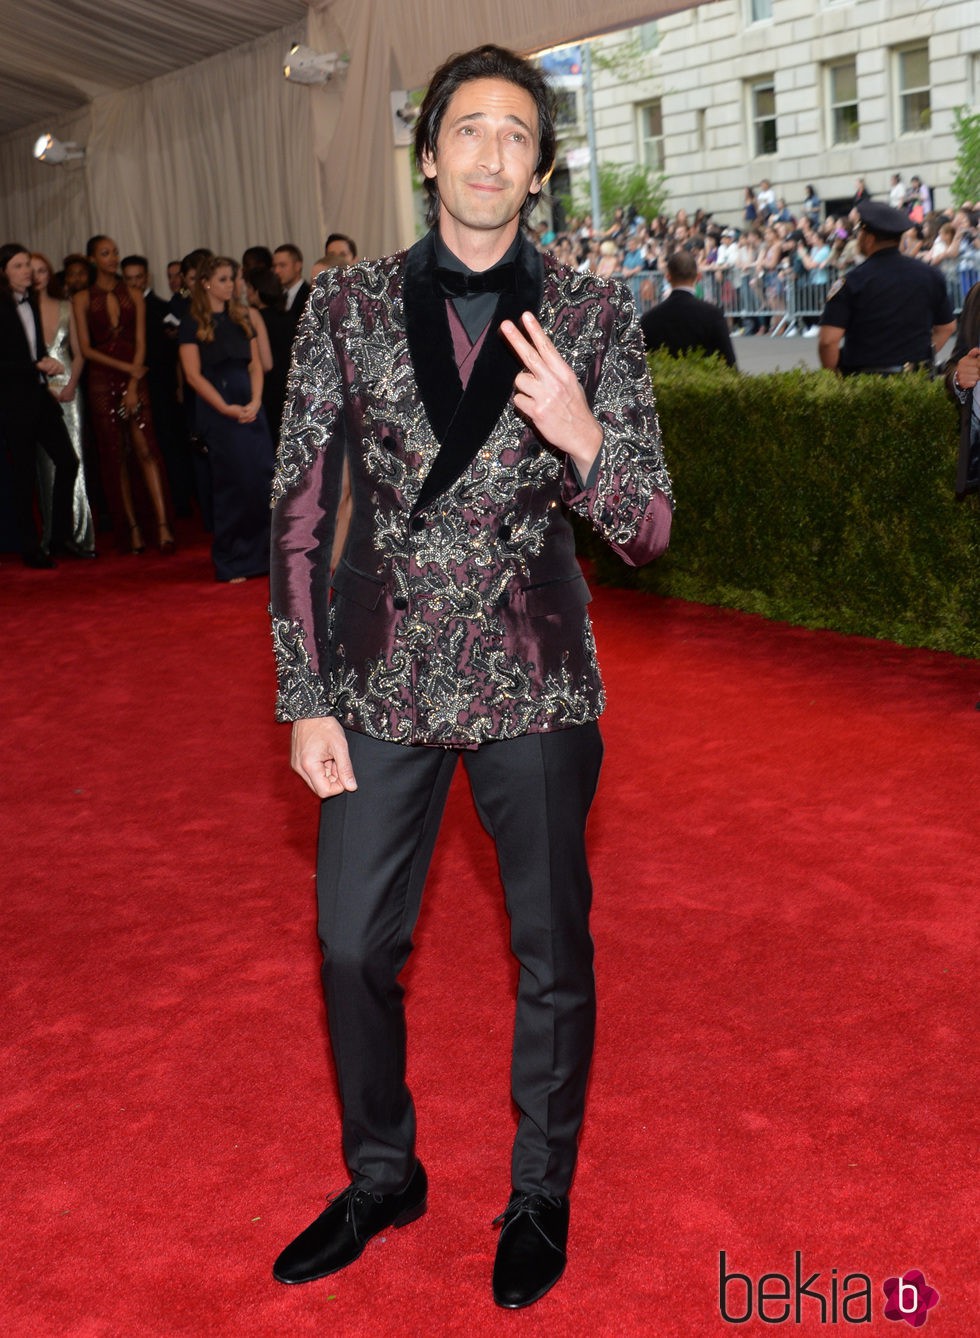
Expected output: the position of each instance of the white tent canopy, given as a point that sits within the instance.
(224, 151)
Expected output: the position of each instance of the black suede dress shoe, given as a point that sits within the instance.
(340, 1233)
(38, 559)
(531, 1249)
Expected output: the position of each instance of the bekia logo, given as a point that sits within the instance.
(781, 1298)
(910, 1298)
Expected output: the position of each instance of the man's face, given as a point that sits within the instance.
(287, 267)
(76, 276)
(866, 241)
(485, 164)
(18, 270)
(339, 253)
(173, 276)
(136, 277)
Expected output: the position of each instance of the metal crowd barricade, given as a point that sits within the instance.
(960, 275)
(782, 302)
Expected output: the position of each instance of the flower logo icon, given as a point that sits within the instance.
(909, 1297)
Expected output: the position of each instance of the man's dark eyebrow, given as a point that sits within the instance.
(481, 116)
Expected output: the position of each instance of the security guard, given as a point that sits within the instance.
(893, 313)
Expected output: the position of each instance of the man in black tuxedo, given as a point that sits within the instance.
(287, 261)
(29, 414)
(469, 390)
(682, 322)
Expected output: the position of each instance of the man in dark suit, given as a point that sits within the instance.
(29, 416)
(682, 322)
(471, 390)
(287, 261)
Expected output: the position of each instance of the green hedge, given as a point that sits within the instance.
(817, 501)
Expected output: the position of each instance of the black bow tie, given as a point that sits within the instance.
(24, 299)
(453, 283)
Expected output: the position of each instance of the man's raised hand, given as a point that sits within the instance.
(548, 394)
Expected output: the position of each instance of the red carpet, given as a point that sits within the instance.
(786, 932)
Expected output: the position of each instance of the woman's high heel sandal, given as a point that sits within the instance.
(136, 544)
(168, 544)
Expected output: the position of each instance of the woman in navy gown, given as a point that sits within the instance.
(220, 358)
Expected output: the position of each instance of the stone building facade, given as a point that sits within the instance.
(793, 91)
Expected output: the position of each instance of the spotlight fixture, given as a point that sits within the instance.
(306, 66)
(47, 149)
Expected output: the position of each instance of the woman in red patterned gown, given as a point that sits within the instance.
(111, 322)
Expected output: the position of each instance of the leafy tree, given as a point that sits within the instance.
(620, 184)
(966, 128)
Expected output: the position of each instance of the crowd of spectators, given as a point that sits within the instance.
(750, 266)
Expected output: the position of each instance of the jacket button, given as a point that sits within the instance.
(503, 534)
(400, 602)
(419, 522)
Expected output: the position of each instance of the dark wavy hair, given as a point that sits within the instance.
(267, 286)
(484, 62)
(256, 257)
(340, 237)
(7, 253)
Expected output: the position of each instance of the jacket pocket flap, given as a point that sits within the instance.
(357, 586)
(556, 596)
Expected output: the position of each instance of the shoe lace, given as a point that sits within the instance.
(526, 1203)
(356, 1198)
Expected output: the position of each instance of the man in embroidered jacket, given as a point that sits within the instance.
(471, 391)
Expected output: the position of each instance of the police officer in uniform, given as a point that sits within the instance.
(891, 313)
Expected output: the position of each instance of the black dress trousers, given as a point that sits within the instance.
(33, 421)
(533, 796)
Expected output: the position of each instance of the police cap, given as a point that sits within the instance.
(882, 220)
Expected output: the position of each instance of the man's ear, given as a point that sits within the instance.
(428, 165)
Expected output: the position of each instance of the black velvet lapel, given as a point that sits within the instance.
(430, 343)
(462, 421)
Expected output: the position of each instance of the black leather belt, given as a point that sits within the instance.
(889, 371)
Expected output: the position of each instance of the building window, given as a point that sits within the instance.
(759, 10)
(650, 124)
(568, 120)
(762, 113)
(843, 102)
(649, 35)
(702, 133)
(914, 106)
